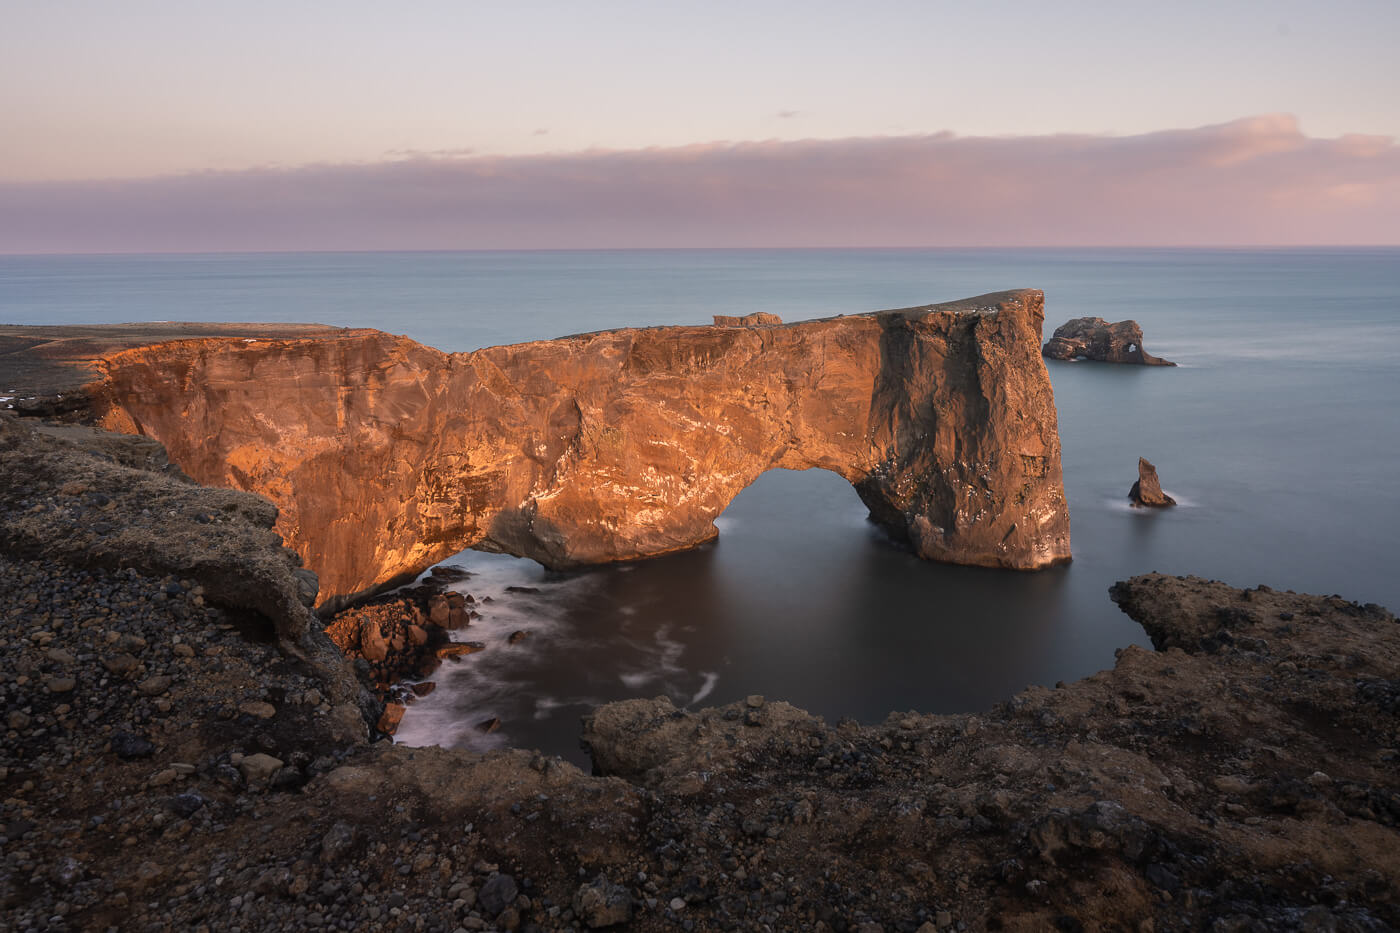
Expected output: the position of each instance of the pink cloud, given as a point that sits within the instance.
(1253, 181)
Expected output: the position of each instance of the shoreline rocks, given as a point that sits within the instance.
(404, 636)
(1093, 338)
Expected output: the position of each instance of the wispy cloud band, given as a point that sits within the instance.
(1254, 181)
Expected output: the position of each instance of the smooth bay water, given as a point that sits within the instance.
(1278, 434)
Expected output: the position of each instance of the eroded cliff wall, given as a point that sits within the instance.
(385, 456)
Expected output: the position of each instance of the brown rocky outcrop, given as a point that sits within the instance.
(384, 456)
(747, 320)
(1147, 490)
(1094, 338)
(106, 513)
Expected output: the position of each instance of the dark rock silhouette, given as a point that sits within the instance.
(1147, 491)
(1095, 339)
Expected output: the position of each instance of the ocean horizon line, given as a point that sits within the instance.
(1125, 248)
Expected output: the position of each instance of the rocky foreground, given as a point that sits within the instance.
(180, 753)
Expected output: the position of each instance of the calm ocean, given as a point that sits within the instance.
(1279, 434)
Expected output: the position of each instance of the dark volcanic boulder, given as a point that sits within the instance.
(1147, 490)
(1095, 339)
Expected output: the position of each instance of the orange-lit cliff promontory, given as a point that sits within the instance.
(385, 456)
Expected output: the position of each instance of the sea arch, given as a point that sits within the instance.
(385, 456)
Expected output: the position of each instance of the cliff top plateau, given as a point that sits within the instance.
(38, 363)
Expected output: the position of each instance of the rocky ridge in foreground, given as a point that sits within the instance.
(171, 761)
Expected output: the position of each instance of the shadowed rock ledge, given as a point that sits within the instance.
(385, 456)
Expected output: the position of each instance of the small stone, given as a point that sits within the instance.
(602, 903)
(183, 650)
(120, 664)
(258, 709)
(497, 894)
(754, 701)
(259, 768)
(391, 717)
(372, 643)
(128, 747)
(187, 804)
(60, 656)
(677, 903)
(337, 841)
(459, 648)
(1232, 784)
(60, 684)
(154, 686)
(517, 637)
(163, 777)
(308, 585)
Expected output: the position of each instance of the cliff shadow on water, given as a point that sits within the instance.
(801, 597)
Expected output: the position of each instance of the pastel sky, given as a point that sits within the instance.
(153, 125)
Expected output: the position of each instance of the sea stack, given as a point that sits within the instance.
(1147, 491)
(1093, 338)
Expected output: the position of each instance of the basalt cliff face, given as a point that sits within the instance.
(385, 456)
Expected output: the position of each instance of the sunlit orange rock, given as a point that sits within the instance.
(385, 456)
